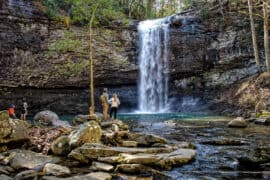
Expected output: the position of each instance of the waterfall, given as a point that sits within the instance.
(153, 63)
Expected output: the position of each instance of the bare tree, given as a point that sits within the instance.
(266, 34)
(254, 39)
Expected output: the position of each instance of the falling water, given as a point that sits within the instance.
(153, 59)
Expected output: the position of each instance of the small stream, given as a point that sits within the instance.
(212, 161)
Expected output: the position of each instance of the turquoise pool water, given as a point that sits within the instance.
(160, 117)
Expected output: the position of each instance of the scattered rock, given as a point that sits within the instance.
(29, 174)
(61, 146)
(24, 159)
(98, 166)
(129, 144)
(5, 177)
(91, 176)
(80, 119)
(255, 157)
(46, 118)
(146, 140)
(56, 170)
(108, 124)
(89, 132)
(141, 169)
(115, 128)
(263, 121)
(238, 122)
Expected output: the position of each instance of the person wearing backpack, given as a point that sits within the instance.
(104, 99)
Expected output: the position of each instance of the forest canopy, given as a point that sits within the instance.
(109, 10)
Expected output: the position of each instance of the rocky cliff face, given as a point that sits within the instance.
(31, 66)
(207, 57)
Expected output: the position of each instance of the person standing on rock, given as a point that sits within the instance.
(115, 102)
(104, 98)
(11, 111)
(24, 110)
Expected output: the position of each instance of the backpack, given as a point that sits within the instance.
(103, 99)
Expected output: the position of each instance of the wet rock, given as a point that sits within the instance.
(5, 177)
(238, 122)
(89, 132)
(29, 174)
(24, 159)
(80, 119)
(95, 151)
(56, 170)
(141, 169)
(61, 146)
(98, 166)
(263, 121)
(108, 124)
(46, 118)
(255, 157)
(129, 144)
(126, 177)
(146, 139)
(225, 142)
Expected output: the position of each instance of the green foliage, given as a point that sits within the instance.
(107, 11)
(73, 69)
(53, 9)
(67, 43)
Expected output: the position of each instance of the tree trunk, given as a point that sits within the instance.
(266, 36)
(91, 69)
(254, 39)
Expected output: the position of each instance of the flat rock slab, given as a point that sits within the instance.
(94, 151)
(24, 159)
(263, 121)
(98, 166)
(91, 176)
(141, 169)
(160, 160)
(56, 170)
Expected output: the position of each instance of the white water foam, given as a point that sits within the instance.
(154, 66)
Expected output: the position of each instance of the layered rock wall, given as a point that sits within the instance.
(207, 57)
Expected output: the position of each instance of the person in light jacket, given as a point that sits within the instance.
(115, 102)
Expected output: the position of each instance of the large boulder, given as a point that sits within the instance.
(61, 146)
(56, 170)
(24, 159)
(238, 122)
(89, 132)
(46, 118)
(12, 131)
